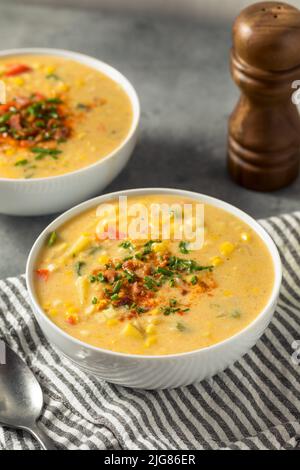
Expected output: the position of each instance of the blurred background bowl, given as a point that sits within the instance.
(39, 196)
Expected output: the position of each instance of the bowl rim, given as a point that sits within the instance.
(95, 64)
(76, 210)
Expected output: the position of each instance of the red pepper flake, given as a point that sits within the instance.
(16, 69)
(43, 274)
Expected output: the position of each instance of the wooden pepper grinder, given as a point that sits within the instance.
(264, 128)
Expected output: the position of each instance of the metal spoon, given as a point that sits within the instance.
(21, 397)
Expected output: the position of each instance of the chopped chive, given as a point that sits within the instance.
(21, 162)
(52, 238)
(78, 267)
(183, 247)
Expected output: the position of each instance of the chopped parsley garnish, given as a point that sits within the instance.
(78, 267)
(183, 248)
(52, 76)
(186, 265)
(194, 280)
(21, 162)
(94, 300)
(180, 326)
(236, 313)
(44, 152)
(117, 287)
(127, 245)
(52, 238)
(150, 283)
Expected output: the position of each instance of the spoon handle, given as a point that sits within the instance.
(44, 440)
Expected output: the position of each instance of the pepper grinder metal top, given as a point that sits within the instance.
(264, 128)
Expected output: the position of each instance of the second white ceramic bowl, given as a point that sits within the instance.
(155, 372)
(40, 196)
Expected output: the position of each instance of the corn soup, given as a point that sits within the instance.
(59, 116)
(154, 297)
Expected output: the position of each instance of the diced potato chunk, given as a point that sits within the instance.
(82, 285)
(150, 341)
(131, 331)
(80, 244)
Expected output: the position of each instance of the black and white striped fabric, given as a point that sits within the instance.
(252, 405)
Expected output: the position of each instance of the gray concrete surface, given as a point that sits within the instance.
(180, 69)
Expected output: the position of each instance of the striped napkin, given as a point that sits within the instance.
(255, 404)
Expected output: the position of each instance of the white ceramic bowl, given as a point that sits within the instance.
(39, 196)
(155, 372)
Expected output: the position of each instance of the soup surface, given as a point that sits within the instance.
(153, 296)
(59, 116)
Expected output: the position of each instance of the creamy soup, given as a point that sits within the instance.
(148, 296)
(59, 116)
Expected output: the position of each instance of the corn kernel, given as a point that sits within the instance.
(245, 236)
(18, 81)
(160, 247)
(112, 322)
(103, 259)
(50, 69)
(72, 310)
(62, 87)
(150, 341)
(150, 329)
(53, 312)
(227, 293)
(154, 311)
(206, 334)
(132, 331)
(71, 318)
(155, 321)
(226, 248)
(10, 152)
(102, 304)
(216, 261)
(79, 82)
(81, 135)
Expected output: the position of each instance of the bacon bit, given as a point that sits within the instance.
(38, 96)
(4, 107)
(16, 69)
(15, 122)
(72, 318)
(110, 275)
(43, 274)
(21, 101)
(24, 143)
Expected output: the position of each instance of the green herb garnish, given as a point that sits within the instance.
(180, 326)
(52, 76)
(183, 248)
(127, 245)
(21, 162)
(117, 287)
(78, 267)
(52, 238)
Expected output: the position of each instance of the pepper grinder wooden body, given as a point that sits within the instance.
(264, 128)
